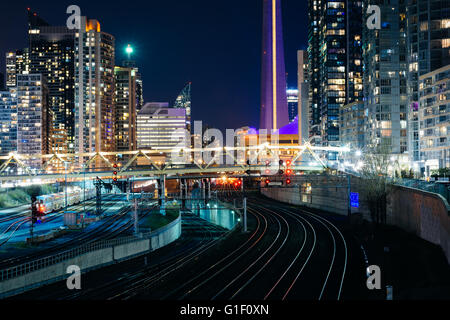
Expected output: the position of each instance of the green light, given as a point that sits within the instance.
(129, 49)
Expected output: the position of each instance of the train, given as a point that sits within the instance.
(56, 201)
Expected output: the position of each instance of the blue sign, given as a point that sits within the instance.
(354, 200)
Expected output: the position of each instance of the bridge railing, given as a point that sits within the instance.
(27, 267)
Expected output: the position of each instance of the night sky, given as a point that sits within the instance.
(215, 44)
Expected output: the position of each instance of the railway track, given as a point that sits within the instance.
(110, 227)
(288, 254)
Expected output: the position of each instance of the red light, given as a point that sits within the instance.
(115, 179)
(239, 182)
(115, 172)
(288, 162)
(288, 171)
(288, 181)
(115, 165)
(267, 181)
(235, 184)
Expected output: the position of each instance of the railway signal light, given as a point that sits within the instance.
(288, 163)
(288, 181)
(281, 162)
(34, 207)
(115, 166)
(288, 172)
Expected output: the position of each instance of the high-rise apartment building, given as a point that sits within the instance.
(351, 126)
(434, 119)
(34, 117)
(125, 108)
(304, 111)
(274, 108)
(139, 86)
(335, 63)
(8, 121)
(52, 54)
(385, 79)
(94, 89)
(428, 43)
(17, 62)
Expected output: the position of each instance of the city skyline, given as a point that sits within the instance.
(201, 153)
(210, 63)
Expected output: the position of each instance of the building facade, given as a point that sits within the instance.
(304, 111)
(52, 54)
(434, 119)
(125, 109)
(159, 127)
(385, 75)
(335, 59)
(184, 101)
(351, 125)
(8, 121)
(94, 89)
(34, 117)
(17, 62)
(292, 99)
(428, 43)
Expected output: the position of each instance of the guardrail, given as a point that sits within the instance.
(439, 188)
(44, 262)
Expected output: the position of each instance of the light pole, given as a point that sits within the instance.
(84, 195)
(65, 184)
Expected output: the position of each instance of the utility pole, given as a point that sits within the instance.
(136, 224)
(349, 193)
(98, 188)
(245, 215)
(33, 217)
(65, 184)
(162, 194)
(84, 196)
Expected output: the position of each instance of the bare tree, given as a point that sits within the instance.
(376, 181)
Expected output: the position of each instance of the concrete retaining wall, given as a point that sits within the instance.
(55, 272)
(323, 192)
(92, 260)
(422, 213)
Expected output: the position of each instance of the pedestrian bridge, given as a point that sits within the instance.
(262, 159)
